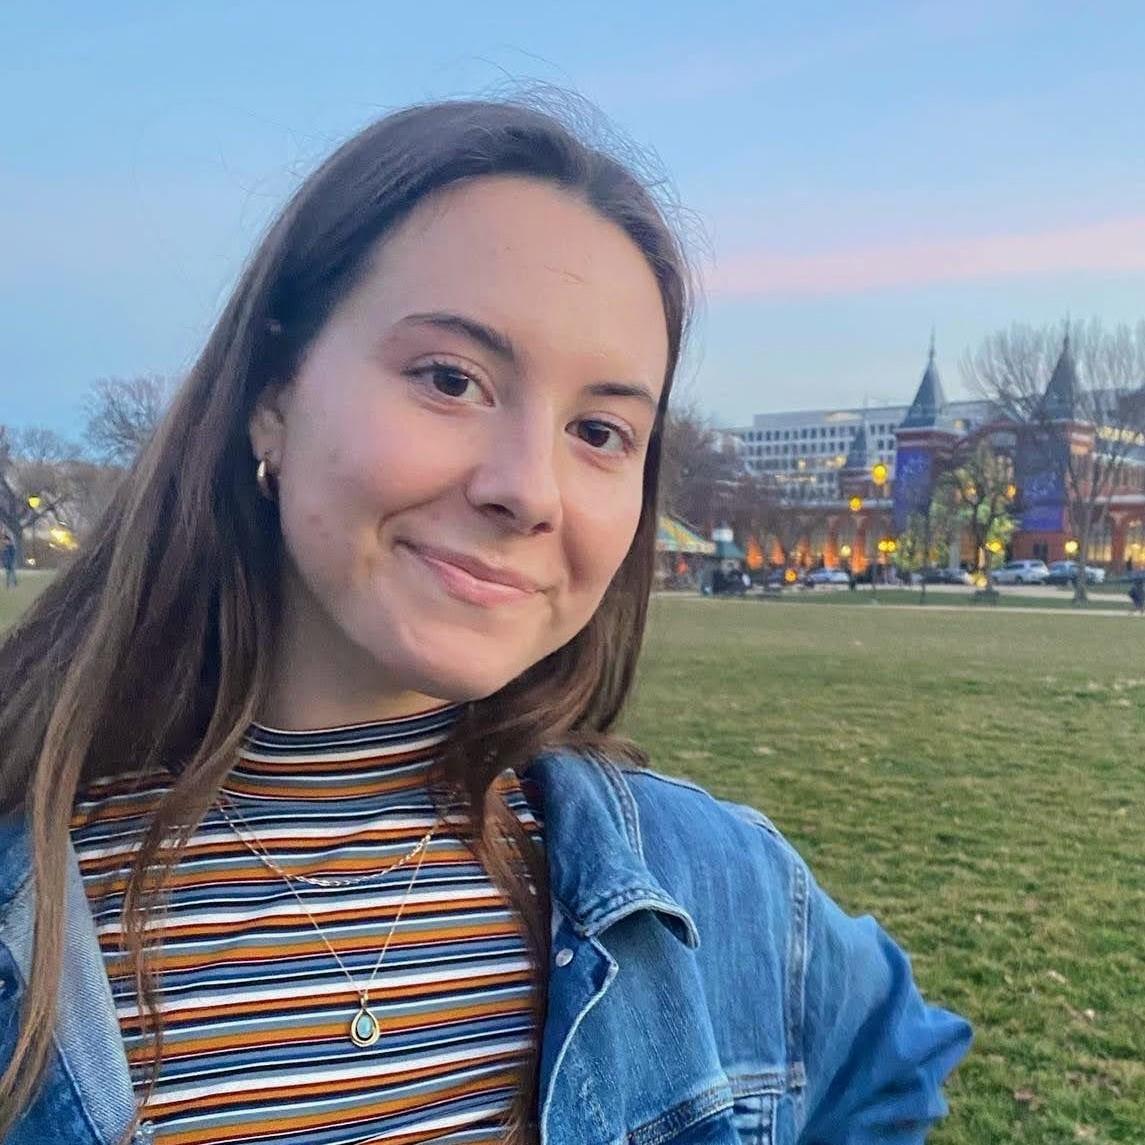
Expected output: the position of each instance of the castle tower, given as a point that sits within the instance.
(1043, 457)
(855, 476)
(923, 446)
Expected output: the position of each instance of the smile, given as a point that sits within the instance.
(466, 586)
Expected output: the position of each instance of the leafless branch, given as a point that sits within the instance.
(122, 414)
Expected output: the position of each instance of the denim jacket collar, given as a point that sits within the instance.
(597, 870)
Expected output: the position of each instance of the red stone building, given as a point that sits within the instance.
(848, 527)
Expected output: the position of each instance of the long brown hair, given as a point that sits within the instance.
(145, 653)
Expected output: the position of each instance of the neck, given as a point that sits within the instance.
(293, 706)
(320, 679)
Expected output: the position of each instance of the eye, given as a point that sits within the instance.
(447, 380)
(605, 437)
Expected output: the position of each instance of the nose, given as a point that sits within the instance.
(516, 481)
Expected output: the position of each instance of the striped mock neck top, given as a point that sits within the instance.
(257, 1013)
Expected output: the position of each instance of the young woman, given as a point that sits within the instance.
(315, 827)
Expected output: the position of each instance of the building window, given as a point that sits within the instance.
(1135, 544)
(1101, 543)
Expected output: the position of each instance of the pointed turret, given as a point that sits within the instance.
(924, 442)
(1059, 402)
(857, 455)
(928, 410)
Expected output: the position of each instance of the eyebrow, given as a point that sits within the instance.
(497, 343)
(623, 390)
(493, 341)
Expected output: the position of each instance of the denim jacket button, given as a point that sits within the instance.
(564, 957)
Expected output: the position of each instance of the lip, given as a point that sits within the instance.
(469, 578)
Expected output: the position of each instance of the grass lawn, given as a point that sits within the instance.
(975, 780)
(13, 601)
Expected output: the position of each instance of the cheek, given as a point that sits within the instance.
(600, 536)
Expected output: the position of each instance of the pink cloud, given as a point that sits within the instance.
(1115, 246)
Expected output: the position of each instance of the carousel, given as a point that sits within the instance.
(682, 555)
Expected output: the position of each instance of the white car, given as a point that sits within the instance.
(826, 576)
(1022, 572)
(1065, 572)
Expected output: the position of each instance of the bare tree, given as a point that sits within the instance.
(1080, 408)
(12, 505)
(122, 414)
(43, 477)
(706, 482)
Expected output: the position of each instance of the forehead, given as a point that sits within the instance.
(530, 259)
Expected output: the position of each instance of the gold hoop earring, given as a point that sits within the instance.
(266, 481)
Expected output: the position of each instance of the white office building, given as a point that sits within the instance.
(804, 451)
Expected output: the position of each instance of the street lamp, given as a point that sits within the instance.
(879, 474)
(1071, 548)
(34, 503)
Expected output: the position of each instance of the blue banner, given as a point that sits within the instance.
(912, 487)
(1040, 472)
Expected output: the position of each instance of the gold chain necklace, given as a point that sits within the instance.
(365, 1029)
(252, 844)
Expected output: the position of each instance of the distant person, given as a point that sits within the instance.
(357, 639)
(8, 559)
(1137, 596)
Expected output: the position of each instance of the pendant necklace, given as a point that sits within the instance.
(365, 1029)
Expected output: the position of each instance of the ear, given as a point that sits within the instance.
(267, 425)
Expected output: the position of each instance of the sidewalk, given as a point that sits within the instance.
(930, 605)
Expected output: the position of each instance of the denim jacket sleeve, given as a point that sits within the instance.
(876, 1053)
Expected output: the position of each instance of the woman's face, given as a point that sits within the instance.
(460, 456)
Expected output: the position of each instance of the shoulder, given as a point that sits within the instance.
(692, 839)
(700, 815)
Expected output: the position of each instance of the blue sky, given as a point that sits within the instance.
(862, 171)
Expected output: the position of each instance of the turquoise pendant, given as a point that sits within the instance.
(365, 1028)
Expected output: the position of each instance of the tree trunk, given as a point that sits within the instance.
(1080, 587)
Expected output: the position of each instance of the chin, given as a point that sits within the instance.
(458, 682)
(454, 664)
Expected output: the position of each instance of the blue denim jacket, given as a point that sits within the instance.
(703, 989)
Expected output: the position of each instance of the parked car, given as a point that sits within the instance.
(1022, 572)
(826, 576)
(1065, 572)
(933, 575)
